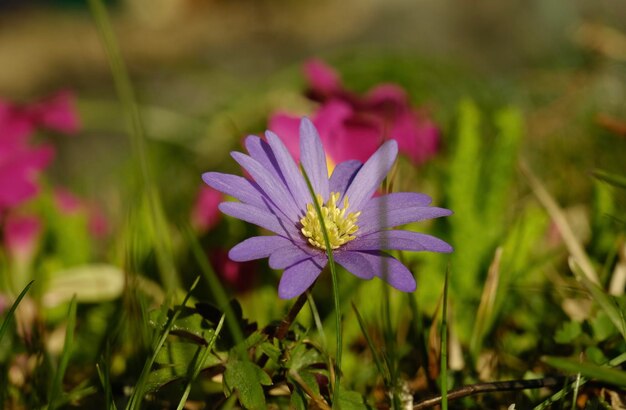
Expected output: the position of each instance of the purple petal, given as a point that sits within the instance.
(238, 187)
(287, 256)
(342, 176)
(273, 188)
(375, 218)
(287, 127)
(262, 152)
(398, 240)
(371, 175)
(257, 247)
(391, 270)
(297, 278)
(355, 263)
(293, 177)
(313, 158)
(264, 219)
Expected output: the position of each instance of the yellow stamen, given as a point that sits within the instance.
(340, 227)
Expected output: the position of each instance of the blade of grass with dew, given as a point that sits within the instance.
(377, 361)
(124, 89)
(134, 402)
(444, 345)
(218, 291)
(333, 274)
(197, 364)
(56, 389)
(11, 313)
(606, 302)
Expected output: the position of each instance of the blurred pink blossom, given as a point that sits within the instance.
(70, 204)
(21, 162)
(352, 126)
(21, 236)
(205, 215)
(240, 276)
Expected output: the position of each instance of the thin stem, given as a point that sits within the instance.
(333, 274)
(316, 318)
(481, 388)
(444, 346)
(126, 95)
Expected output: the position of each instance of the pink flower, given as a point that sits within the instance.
(20, 162)
(240, 276)
(205, 214)
(70, 204)
(21, 236)
(353, 126)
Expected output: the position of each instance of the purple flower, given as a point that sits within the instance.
(277, 199)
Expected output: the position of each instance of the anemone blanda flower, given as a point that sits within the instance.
(277, 198)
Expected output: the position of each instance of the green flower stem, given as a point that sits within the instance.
(333, 274)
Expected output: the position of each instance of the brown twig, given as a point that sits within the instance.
(481, 388)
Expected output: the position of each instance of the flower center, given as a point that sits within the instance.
(340, 227)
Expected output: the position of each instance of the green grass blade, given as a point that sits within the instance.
(444, 345)
(215, 285)
(613, 179)
(197, 364)
(134, 403)
(375, 355)
(56, 389)
(124, 89)
(11, 313)
(561, 393)
(589, 370)
(606, 302)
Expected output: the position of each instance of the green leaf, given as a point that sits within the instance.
(351, 400)
(568, 332)
(188, 324)
(246, 378)
(602, 327)
(589, 370)
(56, 389)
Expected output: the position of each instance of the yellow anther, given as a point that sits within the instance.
(339, 226)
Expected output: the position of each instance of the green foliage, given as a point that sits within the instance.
(246, 378)
(479, 185)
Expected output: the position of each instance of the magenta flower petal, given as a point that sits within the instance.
(314, 162)
(21, 235)
(322, 78)
(257, 247)
(398, 240)
(343, 174)
(355, 263)
(57, 113)
(297, 278)
(371, 175)
(391, 270)
(205, 213)
(288, 128)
